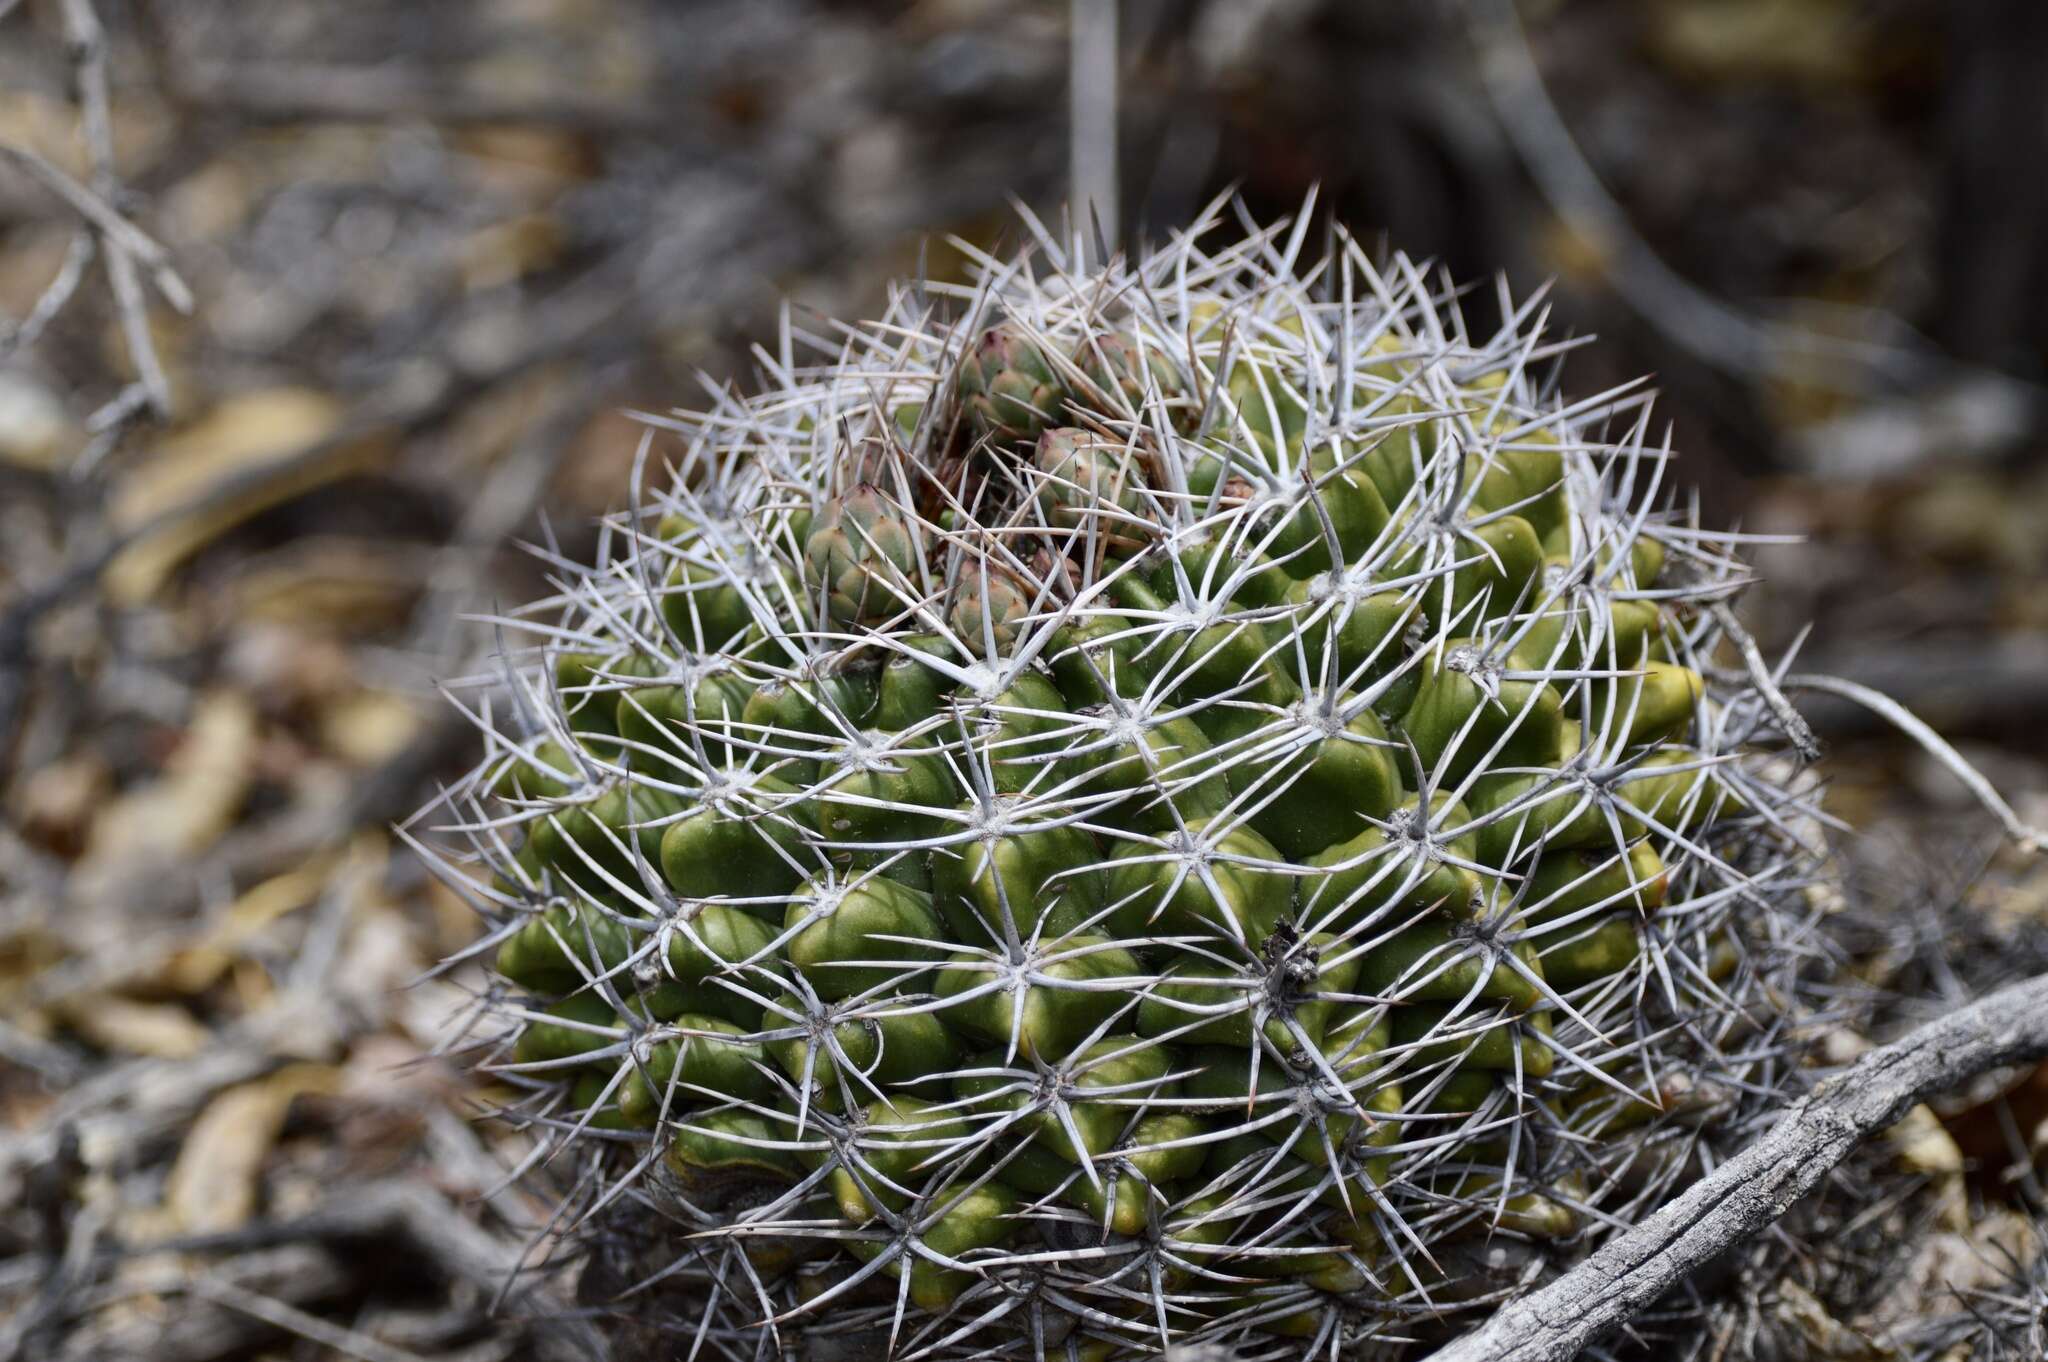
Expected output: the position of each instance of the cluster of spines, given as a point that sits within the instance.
(1087, 572)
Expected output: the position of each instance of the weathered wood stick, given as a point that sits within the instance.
(1746, 1195)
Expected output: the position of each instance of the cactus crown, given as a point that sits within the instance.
(1182, 802)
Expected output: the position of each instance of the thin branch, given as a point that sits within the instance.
(2031, 839)
(87, 41)
(1710, 329)
(293, 1320)
(564, 322)
(1746, 1195)
(59, 291)
(1092, 76)
(119, 232)
(1797, 730)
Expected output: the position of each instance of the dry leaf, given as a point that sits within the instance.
(199, 965)
(210, 202)
(1573, 254)
(222, 948)
(1825, 1336)
(512, 160)
(380, 959)
(1946, 1265)
(55, 803)
(1809, 42)
(45, 125)
(1925, 1146)
(186, 809)
(338, 585)
(248, 437)
(158, 1030)
(291, 667)
(370, 727)
(216, 1182)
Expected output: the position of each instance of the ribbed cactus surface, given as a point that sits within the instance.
(1196, 800)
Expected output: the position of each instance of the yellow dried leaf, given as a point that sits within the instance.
(253, 985)
(1924, 1144)
(1825, 1336)
(211, 202)
(216, 1182)
(1816, 43)
(1572, 254)
(1956, 1263)
(198, 966)
(186, 809)
(341, 586)
(46, 125)
(520, 160)
(158, 1030)
(56, 803)
(381, 958)
(241, 431)
(370, 727)
(246, 444)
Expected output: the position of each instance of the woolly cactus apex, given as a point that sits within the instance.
(1273, 851)
(1009, 386)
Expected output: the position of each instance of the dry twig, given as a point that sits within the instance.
(87, 42)
(1092, 124)
(1746, 1195)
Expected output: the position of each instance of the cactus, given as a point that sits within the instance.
(1010, 390)
(1278, 829)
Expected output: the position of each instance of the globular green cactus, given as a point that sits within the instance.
(1168, 808)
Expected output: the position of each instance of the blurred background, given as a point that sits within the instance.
(316, 318)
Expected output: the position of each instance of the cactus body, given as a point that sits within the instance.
(1175, 889)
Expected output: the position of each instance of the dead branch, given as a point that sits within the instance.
(1709, 328)
(1796, 729)
(301, 1274)
(392, 1209)
(2030, 840)
(87, 42)
(271, 1274)
(1746, 1195)
(116, 230)
(392, 1212)
(292, 1320)
(137, 1104)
